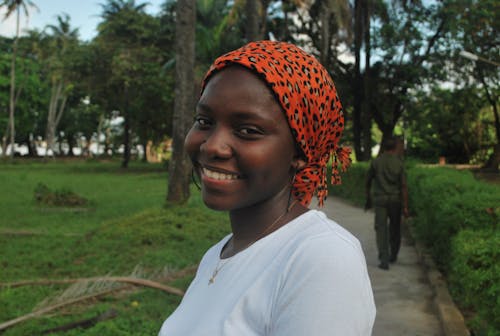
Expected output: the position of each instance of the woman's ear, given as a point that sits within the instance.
(298, 163)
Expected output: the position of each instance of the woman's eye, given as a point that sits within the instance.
(202, 121)
(249, 132)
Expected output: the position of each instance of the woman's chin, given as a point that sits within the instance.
(216, 204)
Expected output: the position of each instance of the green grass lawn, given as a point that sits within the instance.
(125, 226)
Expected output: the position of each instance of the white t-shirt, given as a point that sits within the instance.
(307, 278)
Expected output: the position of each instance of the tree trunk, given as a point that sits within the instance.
(5, 141)
(180, 165)
(126, 130)
(99, 131)
(13, 88)
(31, 146)
(325, 34)
(56, 108)
(357, 83)
(144, 151)
(494, 159)
(126, 142)
(366, 115)
(70, 138)
(252, 32)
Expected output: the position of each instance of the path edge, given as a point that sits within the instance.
(450, 317)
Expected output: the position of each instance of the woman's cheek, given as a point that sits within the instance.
(192, 142)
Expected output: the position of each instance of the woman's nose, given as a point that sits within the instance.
(216, 144)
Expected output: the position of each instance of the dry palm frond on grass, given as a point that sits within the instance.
(90, 288)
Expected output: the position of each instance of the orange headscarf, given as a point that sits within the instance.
(309, 99)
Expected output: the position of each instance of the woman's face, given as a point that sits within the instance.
(240, 143)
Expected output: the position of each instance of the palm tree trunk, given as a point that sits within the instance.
(5, 139)
(126, 142)
(325, 34)
(180, 165)
(252, 32)
(126, 131)
(50, 132)
(13, 88)
(366, 103)
(357, 83)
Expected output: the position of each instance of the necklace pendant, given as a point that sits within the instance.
(212, 278)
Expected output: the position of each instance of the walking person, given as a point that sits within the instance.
(390, 199)
(267, 123)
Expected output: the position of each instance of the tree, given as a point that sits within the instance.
(404, 39)
(446, 123)
(474, 28)
(127, 55)
(62, 42)
(31, 89)
(180, 166)
(14, 6)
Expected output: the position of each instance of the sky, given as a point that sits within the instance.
(84, 15)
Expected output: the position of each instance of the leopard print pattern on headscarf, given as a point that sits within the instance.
(308, 96)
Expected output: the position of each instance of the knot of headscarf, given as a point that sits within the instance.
(309, 99)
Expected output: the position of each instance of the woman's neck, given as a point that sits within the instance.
(255, 222)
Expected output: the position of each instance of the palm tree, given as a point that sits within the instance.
(62, 39)
(14, 6)
(180, 167)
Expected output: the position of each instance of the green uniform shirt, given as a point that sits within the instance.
(388, 174)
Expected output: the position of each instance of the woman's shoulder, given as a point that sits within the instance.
(315, 226)
(321, 248)
(314, 233)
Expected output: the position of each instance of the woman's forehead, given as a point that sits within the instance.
(242, 93)
(242, 83)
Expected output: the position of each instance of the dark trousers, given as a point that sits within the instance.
(387, 226)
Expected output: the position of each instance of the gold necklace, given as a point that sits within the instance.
(219, 265)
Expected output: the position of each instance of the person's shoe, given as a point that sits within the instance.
(383, 266)
(393, 259)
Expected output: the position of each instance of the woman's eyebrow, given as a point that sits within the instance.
(239, 115)
(203, 107)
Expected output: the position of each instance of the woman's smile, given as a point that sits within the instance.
(214, 175)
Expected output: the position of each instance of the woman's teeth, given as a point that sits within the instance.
(219, 176)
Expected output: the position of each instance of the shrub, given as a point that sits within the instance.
(353, 184)
(62, 197)
(446, 201)
(475, 275)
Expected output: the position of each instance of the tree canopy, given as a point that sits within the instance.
(397, 66)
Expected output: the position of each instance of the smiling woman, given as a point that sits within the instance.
(267, 122)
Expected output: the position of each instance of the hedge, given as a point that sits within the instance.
(457, 217)
(474, 277)
(352, 187)
(446, 201)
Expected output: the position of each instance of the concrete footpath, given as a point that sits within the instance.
(404, 296)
